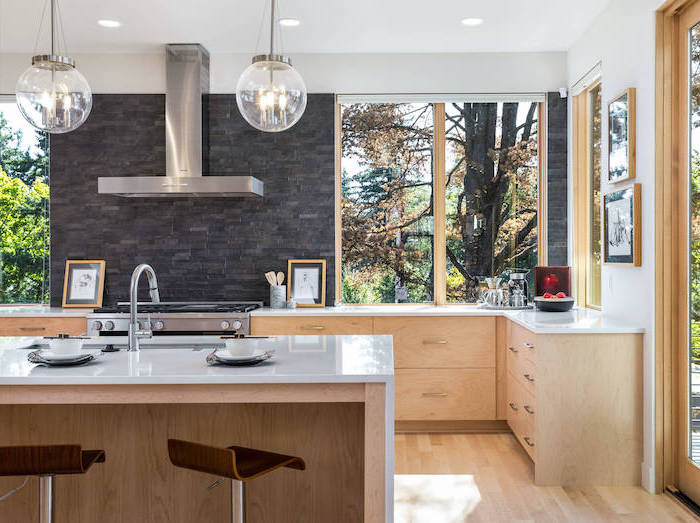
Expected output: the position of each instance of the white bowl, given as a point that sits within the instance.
(66, 345)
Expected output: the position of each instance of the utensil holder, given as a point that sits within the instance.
(278, 296)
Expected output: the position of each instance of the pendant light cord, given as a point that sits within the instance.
(272, 27)
(41, 24)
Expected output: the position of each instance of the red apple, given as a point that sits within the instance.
(547, 296)
(550, 283)
(561, 295)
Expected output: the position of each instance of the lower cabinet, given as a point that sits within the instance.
(310, 325)
(42, 326)
(445, 394)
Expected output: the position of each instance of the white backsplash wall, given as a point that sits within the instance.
(622, 38)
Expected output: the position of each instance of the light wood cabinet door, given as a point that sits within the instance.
(310, 325)
(445, 394)
(440, 342)
(42, 326)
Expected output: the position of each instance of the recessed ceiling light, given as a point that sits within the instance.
(472, 22)
(109, 23)
(289, 22)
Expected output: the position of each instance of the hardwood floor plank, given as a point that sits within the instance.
(503, 479)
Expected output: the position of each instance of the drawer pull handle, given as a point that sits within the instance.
(513, 407)
(528, 441)
(512, 349)
(312, 327)
(32, 328)
(528, 409)
(434, 394)
(434, 342)
(529, 378)
(529, 346)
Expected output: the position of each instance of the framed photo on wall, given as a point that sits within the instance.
(622, 226)
(83, 283)
(306, 282)
(622, 136)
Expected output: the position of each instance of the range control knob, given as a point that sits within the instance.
(225, 325)
(97, 325)
(158, 325)
(109, 325)
(237, 325)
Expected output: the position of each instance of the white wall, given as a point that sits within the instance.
(331, 73)
(622, 39)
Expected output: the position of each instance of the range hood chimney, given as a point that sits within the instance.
(186, 138)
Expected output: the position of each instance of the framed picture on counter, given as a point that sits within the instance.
(83, 283)
(622, 226)
(306, 282)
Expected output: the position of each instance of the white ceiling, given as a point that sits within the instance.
(327, 26)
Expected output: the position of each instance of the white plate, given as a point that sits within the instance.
(253, 355)
(50, 355)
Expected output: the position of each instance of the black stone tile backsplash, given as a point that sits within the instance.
(557, 231)
(201, 248)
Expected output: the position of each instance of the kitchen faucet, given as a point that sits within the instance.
(135, 333)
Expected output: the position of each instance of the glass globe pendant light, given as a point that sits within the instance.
(271, 94)
(52, 94)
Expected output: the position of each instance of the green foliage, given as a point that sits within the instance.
(24, 224)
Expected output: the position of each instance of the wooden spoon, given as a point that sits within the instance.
(280, 278)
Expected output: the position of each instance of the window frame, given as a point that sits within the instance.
(439, 178)
(582, 151)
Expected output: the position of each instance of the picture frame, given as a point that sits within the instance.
(306, 282)
(83, 283)
(622, 226)
(622, 136)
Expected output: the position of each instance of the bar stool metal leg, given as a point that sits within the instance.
(237, 501)
(46, 499)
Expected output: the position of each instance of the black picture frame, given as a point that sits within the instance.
(625, 223)
(317, 287)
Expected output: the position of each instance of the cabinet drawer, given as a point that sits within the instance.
(446, 342)
(40, 326)
(310, 325)
(521, 368)
(524, 341)
(445, 394)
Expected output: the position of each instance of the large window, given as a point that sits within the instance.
(587, 200)
(435, 197)
(24, 207)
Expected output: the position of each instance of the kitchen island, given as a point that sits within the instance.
(328, 399)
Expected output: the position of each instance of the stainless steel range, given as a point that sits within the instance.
(175, 318)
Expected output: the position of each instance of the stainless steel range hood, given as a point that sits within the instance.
(186, 139)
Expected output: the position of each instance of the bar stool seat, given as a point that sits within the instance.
(47, 461)
(240, 464)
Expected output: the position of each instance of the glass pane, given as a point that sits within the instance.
(387, 211)
(595, 105)
(24, 209)
(694, 292)
(491, 193)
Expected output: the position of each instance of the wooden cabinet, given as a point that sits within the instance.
(310, 325)
(42, 326)
(445, 394)
(574, 402)
(440, 342)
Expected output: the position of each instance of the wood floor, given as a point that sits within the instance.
(501, 478)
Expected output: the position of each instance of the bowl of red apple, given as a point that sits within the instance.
(558, 302)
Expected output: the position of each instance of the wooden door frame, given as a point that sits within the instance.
(671, 244)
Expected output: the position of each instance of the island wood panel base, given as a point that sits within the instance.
(42, 326)
(339, 430)
(138, 483)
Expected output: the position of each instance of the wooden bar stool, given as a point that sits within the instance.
(241, 464)
(47, 461)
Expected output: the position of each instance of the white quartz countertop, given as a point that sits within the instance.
(576, 321)
(297, 359)
(41, 310)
